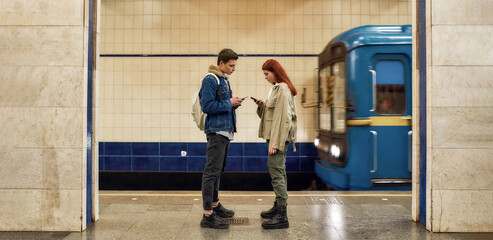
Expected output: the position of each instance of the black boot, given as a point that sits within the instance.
(269, 214)
(213, 221)
(223, 212)
(279, 221)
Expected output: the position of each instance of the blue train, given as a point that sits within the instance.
(365, 109)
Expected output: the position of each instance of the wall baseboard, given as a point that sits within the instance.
(238, 181)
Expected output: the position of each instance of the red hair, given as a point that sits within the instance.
(275, 67)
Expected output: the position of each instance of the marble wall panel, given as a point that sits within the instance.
(415, 160)
(415, 201)
(62, 169)
(461, 211)
(41, 46)
(415, 77)
(61, 210)
(462, 169)
(23, 214)
(449, 12)
(461, 128)
(477, 12)
(462, 86)
(41, 127)
(40, 210)
(461, 45)
(41, 12)
(42, 87)
(21, 168)
(38, 86)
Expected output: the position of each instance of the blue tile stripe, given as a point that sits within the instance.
(166, 156)
(90, 52)
(422, 109)
(206, 55)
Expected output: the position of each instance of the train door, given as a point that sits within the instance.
(391, 120)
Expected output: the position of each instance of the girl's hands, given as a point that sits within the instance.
(272, 151)
(259, 103)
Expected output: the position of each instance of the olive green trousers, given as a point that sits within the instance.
(277, 170)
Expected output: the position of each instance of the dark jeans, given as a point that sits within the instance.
(217, 152)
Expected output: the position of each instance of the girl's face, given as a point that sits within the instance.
(269, 76)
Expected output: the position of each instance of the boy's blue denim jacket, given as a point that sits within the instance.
(215, 102)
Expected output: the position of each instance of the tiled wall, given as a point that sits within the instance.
(242, 157)
(147, 99)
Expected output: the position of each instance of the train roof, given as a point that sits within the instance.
(365, 36)
(374, 35)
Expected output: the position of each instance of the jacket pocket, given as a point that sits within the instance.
(271, 102)
(269, 113)
(223, 93)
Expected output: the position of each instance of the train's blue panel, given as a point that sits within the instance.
(337, 179)
(374, 35)
(386, 51)
(392, 152)
(359, 78)
(389, 72)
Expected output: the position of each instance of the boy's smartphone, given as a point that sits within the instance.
(253, 99)
(244, 98)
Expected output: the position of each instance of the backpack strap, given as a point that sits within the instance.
(214, 77)
(218, 83)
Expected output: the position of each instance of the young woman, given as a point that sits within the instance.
(278, 125)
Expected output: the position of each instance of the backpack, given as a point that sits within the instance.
(197, 114)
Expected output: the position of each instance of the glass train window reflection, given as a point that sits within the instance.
(326, 80)
(391, 88)
(339, 73)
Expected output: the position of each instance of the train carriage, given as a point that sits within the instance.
(365, 109)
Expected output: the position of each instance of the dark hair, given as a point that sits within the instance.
(275, 67)
(225, 55)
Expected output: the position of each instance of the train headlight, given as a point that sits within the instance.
(335, 151)
(338, 151)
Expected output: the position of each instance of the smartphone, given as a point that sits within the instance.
(253, 99)
(244, 98)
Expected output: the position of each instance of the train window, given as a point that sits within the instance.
(339, 107)
(326, 82)
(390, 87)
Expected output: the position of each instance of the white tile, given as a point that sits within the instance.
(297, 28)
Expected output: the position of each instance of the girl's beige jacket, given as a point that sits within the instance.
(278, 121)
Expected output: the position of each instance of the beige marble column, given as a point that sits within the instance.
(459, 116)
(43, 85)
(415, 148)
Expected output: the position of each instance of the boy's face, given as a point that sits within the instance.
(228, 67)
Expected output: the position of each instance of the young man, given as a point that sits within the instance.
(217, 101)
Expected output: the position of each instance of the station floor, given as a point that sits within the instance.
(312, 215)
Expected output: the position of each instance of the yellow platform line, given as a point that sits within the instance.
(248, 195)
